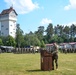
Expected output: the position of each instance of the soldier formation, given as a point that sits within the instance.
(6, 49)
(68, 48)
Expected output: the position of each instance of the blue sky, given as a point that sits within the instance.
(35, 13)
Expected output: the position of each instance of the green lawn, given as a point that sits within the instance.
(29, 64)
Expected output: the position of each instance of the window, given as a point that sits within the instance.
(11, 32)
(13, 21)
(6, 28)
(2, 26)
(13, 29)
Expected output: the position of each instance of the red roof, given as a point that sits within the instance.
(7, 11)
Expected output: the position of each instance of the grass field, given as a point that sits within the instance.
(29, 64)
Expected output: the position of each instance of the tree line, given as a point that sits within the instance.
(42, 36)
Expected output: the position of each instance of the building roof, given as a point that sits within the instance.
(72, 43)
(7, 11)
(49, 44)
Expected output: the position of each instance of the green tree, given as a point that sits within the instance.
(45, 39)
(75, 39)
(58, 30)
(60, 40)
(49, 31)
(31, 39)
(40, 32)
(42, 44)
(19, 36)
(71, 39)
(66, 34)
(10, 41)
(72, 31)
(64, 37)
(54, 39)
(1, 43)
(4, 39)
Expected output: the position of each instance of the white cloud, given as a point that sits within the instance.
(72, 5)
(46, 21)
(22, 6)
(67, 7)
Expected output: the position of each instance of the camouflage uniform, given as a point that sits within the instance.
(55, 56)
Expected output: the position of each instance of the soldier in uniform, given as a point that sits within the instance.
(55, 56)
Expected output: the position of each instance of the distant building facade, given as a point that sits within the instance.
(8, 19)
